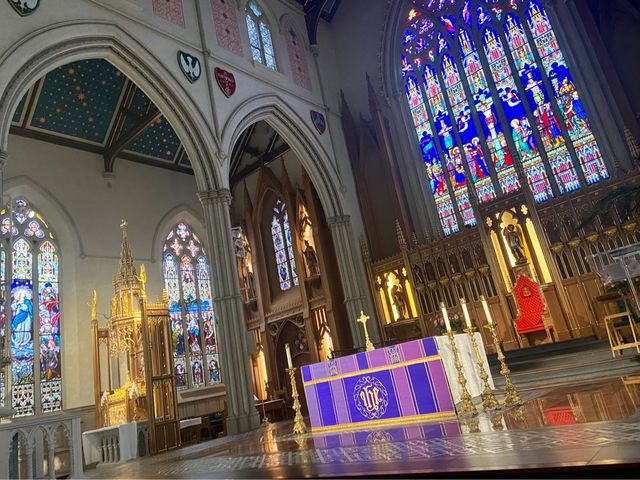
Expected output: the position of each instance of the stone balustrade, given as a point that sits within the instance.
(45, 446)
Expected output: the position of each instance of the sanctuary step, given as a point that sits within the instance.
(577, 360)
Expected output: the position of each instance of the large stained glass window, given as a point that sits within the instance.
(260, 36)
(187, 280)
(283, 247)
(29, 311)
(498, 91)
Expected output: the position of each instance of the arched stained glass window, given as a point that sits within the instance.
(499, 91)
(283, 247)
(260, 36)
(29, 266)
(187, 280)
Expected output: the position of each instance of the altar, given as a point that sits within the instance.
(409, 382)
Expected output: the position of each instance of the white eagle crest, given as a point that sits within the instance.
(190, 66)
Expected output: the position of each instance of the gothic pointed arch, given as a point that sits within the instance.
(493, 104)
(53, 46)
(187, 281)
(30, 320)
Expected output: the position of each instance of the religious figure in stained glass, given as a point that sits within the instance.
(188, 284)
(283, 247)
(516, 102)
(33, 329)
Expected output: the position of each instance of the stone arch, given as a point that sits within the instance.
(54, 212)
(295, 131)
(56, 45)
(180, 212)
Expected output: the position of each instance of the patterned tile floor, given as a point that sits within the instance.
(579, 427)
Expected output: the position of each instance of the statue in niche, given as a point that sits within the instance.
(417, 275)
(312, 259)
(515, 244)
(250, 284)
(400, 302)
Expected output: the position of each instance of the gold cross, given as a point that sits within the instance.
(363, 320)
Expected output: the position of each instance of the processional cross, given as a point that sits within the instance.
(367, 341)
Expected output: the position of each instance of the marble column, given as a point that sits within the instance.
(235, 361)
(354, 279)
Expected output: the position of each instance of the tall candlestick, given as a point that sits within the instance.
(485, 307)
(445, 315)
(288, 350)
(465, 312)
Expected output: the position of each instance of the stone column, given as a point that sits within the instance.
(354, 279)
(235, 367)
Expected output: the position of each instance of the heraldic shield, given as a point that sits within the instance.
(318, 121)
(24, 7)
(189, 65)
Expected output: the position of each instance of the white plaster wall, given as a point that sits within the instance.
(67, 186)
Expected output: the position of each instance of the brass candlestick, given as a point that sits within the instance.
(298, 422)
(489, 400)
(467, 407)
(512, 396)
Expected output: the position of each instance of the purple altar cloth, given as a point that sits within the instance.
(387, 386)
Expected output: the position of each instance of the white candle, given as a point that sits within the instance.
(288, 350)
(485, 307)
(465, 312)
(445, 315)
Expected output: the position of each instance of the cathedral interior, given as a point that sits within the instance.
(304, 238)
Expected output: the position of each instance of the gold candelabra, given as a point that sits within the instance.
(467, 407)
(299, 426)
(489, 400)
(512, 396)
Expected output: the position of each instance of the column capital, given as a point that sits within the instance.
(338, 220)
(219, 195)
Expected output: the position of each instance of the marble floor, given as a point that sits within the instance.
(577, 430)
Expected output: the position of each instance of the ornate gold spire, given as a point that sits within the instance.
(127, 273)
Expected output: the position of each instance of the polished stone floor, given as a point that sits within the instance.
(576, 430)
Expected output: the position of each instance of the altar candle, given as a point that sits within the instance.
(485, 307)
(288, 350)
(465, 312)
(445, 315)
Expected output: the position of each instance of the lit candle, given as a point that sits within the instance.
(465, 312)
(288, 350)
(485, 307)
(445, 315)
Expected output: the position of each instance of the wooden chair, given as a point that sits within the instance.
(617, 325)
(533, 315)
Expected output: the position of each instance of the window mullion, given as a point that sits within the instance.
(475, 118)
(527, 108)
(444, 162)
(37, 400)
(553, 100)
(185, 334)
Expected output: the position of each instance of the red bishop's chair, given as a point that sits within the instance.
(532, 309)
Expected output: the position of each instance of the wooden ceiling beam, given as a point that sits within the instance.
(262, 161)
(152, 116)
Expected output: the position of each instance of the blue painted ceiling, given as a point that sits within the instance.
(91, 105)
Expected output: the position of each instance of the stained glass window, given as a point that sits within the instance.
(260, 36)
(187, 280)
(29, 262)
(283, 247)
(498, 91)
